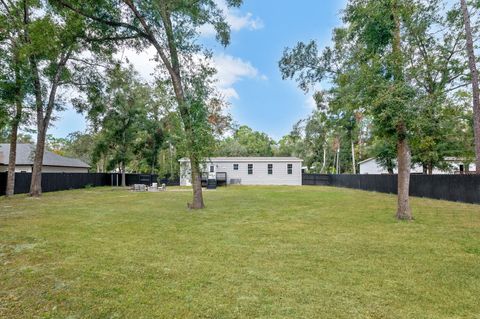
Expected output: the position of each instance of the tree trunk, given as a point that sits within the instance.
(124, 178)
(170, 158)
(324, 159)
(430, 169)
(475, 88)
(404, 161)
(404, 211)
(173, 68)
(36, 182)
(338, 160)
(354, 164)
(360, 143)
(14, 133)
(154, 159)
(12, 159)
(196, 185)
(43, 119)
(335, 161)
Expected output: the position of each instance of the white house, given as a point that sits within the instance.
(52, 163)
(457, 166)
(249, 170)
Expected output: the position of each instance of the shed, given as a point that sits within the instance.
(52, 163)
(248, 170)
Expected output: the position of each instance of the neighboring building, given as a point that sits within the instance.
(52, 163)
(457, 166)
(249, 170)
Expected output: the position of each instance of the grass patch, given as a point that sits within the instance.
(254, 252)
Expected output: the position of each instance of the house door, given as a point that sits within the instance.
(212, 172)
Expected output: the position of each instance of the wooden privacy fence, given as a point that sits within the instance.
(63, 181)
(458, 188)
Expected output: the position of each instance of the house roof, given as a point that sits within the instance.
(25, 157)
(367, 160)
(249, 159)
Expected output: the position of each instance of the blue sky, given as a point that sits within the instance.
(248, 68)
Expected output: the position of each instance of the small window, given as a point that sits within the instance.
(235, 167)
(250, 169)
(212, 169)
(289, 169)
(270, 169)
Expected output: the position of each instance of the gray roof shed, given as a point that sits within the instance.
(25, 155)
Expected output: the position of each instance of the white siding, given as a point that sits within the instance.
(185, 174)
(18, 168)
(260, 174)
(372, 167)
(60, 169)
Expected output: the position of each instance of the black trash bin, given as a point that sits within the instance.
(211, 184)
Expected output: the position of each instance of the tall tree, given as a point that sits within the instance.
(14, 84)
(123, 119)
(79, 145)
(292, 144)
(318, 139)
(436, 68)
(377, 28)
(169, 26)
(472, 63)
(54, 39)
(246, 142)
(367, 63)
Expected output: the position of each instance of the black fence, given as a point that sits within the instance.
(169, 182)
(63, 181)
(458, 188)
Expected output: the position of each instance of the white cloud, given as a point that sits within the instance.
(310, 103)
(246, 21)
(229, 93)
(235, 19)
(231, 70)
(142, 61)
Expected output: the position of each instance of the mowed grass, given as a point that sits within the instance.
(255, 252)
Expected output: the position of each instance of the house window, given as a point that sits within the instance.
(212, 169)
(250, 169)
(235, 167)
(289, 169)
(270, 169)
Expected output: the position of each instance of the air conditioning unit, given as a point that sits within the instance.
(235, 181)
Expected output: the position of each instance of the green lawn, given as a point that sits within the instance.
(255, 252)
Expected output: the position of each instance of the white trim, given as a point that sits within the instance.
(367, 160)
